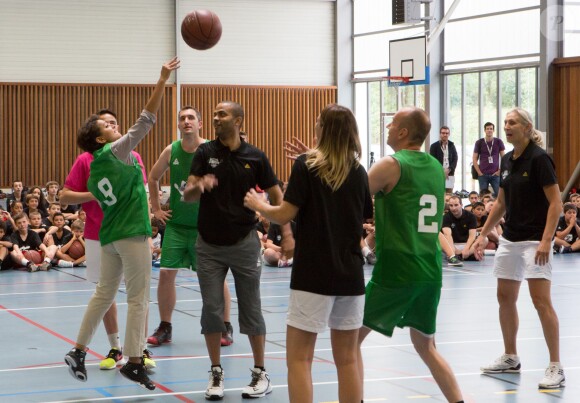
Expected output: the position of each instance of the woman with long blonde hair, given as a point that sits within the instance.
(328, 196)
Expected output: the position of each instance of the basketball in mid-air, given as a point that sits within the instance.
(76, 250)
(201, 29)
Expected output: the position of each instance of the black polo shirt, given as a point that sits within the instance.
(223, 219)
(460, 226)
(523, 181)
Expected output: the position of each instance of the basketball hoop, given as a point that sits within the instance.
(396, 81)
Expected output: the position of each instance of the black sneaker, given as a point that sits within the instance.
(160, 336)
(138, 374)
(75, 359)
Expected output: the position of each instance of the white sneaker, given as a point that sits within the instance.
(215, 387)
(507, 363)
(260, 385)
(553, 378)
(64, 263)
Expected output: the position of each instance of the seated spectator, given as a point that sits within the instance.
(155, 242)
(52, 188)
(82, 215)
(63, 254)
(70, 212)
(575, 199)
(52, 210)
(36, 224)
(449, 252)
(568, 230)
(5, 245)
(473, 198)
(272, 253)
(368, 243)
(262, 227)
(57, 234)
(32, 203)
(484, 192)
(6, 219)
(18, 194)
(487, 198)
(43, 204)
(478, 210)
(459, 229)
(25, 239)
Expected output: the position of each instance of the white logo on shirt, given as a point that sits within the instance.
(213, 162)
(176, 162)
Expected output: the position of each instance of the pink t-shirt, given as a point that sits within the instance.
(77, 182)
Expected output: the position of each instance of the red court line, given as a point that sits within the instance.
(99, 356)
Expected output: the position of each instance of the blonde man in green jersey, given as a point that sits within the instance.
(405, 287)
(181, 219)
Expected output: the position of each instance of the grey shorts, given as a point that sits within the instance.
(213, 263)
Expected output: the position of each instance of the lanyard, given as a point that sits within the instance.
(489, 149)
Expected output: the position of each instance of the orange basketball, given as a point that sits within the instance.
(33, 255)
(201, 29)
(76, 250)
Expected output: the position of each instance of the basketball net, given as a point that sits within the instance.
(396, 81)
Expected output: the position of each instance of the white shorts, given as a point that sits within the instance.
(516, 261)
(93, 259)
(314, 312)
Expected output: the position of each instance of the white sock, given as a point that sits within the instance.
(114, 340)
(556, 364)
(24, 262)
(365, 251)
(47, 260)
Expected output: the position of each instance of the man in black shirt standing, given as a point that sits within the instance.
(446, 153)
(222, 172)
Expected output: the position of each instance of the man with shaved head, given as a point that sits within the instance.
(405, 287)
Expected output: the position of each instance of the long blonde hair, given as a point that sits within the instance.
(338, 149)
(526, 119)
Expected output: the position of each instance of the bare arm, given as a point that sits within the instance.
(384, 175)
(68, 196)
(196, 185)
(495, 215)
(552, 193)
(281, 214)
(155, 175)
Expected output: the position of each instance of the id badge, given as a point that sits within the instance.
(490, 159)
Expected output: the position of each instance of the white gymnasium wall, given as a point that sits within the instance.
(86, 41)
(264, 42)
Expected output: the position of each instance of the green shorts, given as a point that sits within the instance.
(178, 250)
(413, 306)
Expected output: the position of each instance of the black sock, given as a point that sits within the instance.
(227, 323)
(216, 366)
(262, 368)
(165, 325)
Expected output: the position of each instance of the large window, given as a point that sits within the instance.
(475, 98)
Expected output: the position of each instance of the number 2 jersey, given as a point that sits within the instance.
(119, 189)
(407, 224)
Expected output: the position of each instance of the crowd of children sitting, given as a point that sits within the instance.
(37, 232)
(35, 221)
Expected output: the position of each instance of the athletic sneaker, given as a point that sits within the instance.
(565, 249)
(75, 359)
(115, 355)
(44, 266)
(371, 258)
(553, 378)
(31, 267)
(147, 360)
(285, 263)
(508, 363)
(138, 374)
(228, 336)
(454, 261)
(215, 387)
(160, 336)
(64, 263)
(260, 385)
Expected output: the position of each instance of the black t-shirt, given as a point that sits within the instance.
(64, 239)
(223, 219)
(32, 241)
(328, 258)
(460, 226)
(572, 235)
(523, 181)
(275, 232)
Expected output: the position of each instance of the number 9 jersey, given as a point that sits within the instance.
(119, 190)
(407, 221)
